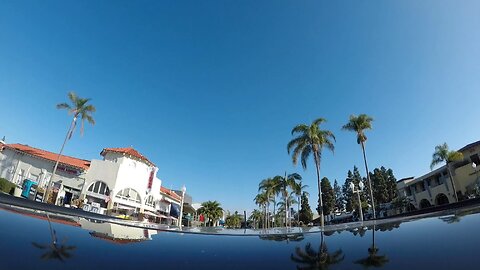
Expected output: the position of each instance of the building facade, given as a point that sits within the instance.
(19, 162)
(435, 187)
(124, 182)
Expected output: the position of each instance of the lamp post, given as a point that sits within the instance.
(474, 166)
(184, 189)
(352, 187)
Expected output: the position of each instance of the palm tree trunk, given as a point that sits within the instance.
(45, 196)
(274, 210)
(453, 184)
(369, 182)
(285, 196)
(317, 165)
(298, 213)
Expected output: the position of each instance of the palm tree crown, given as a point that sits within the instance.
(211, 210)
(359, 124)
(310, 140)
(443, 154)
(79, 108)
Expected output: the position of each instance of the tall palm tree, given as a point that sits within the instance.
(261, 200)
(212, 211)
(359, 124)
(79, 108)
(312, 259)
(310, 140)
(284, 184)
(269, 187)
(443, 154)
(298, 189)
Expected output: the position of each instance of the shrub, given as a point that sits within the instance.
(6, 186)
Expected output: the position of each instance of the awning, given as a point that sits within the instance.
(150, 213)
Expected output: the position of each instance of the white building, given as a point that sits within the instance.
(123, 182)
(19, 162)
(435, 188)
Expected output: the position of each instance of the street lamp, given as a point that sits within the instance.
(474, 166)
(361, 186)
(184, 189)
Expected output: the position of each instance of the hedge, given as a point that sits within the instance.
(6, 186)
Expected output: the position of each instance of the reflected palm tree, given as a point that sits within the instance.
(55, 250)
(312, 259)
(451, 219)
(373, 259)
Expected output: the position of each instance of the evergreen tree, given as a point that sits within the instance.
(338, 196)
(328, 197)
(306, 214)
(384, 185)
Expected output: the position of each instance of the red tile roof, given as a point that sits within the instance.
(128, 151)
(64, 160)
(170, 193)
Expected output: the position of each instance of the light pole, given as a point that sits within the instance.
(474, 166)
(184, 189)
(352, 187)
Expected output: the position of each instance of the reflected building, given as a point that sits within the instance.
(116, 233)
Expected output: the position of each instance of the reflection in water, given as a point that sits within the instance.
(373, 259)
(283, 237)
(55, 250)
(312, 259)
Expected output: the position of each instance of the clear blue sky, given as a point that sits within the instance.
(209, 90)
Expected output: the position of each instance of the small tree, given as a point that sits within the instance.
(328, 196)
(306, 214)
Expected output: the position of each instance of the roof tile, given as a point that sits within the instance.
(65, 160)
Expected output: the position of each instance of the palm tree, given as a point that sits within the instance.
(55, 250)
(256, 216)
(359, 124)
(442, 154)
(284, 204)
(310, 140)
(312, 259)
(212, 211)
(261, 200)
(269, 187)
(283, 184)
(79, 109)
(298, 189)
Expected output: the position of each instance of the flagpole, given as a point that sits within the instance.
(67, 137)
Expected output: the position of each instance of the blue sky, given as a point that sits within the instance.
(209, 90)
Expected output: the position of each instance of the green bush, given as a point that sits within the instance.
(6, 186)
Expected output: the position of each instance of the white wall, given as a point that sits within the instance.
(13, 164)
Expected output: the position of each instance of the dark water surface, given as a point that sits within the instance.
(447, 241)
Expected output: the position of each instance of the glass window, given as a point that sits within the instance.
(97, 185)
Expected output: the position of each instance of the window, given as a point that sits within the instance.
(150, 201)
(129, 195)
(99, 187)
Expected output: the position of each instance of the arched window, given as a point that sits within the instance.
(150, 201)
(129, 195)
(99, 187)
